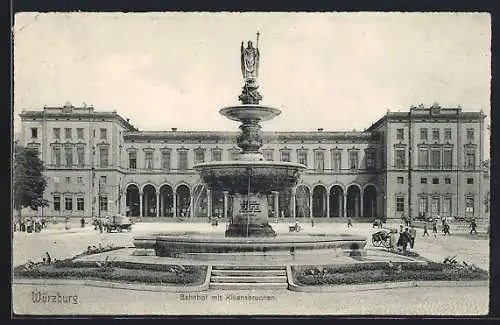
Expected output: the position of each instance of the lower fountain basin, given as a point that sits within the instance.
(175, 244)
(233, 176)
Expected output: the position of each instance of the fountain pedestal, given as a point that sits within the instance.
(250, 216)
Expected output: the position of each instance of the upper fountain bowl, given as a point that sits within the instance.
(250, 112)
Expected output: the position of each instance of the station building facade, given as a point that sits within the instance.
(427, 161)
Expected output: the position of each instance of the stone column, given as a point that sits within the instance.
(294, 202)
(158, 204)
(225, 204)
(191, 206)
(123, 204)
(356, 206)
(328, 205)
(345, 207)
(162, 204)
(140, 203)
(209, 203)
(175, 204)
(341, 209)
(276, 203)
(310, 206)
(361, 205)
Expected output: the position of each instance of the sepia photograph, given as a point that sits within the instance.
(251, 164)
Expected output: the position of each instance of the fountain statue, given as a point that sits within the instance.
(250, 179)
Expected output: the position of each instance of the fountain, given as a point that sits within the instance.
(248, 181)
(251, 178)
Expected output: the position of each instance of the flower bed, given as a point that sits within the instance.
(115, 271)
(383, 272)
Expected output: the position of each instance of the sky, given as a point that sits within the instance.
(336, 71)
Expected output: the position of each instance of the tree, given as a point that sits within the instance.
(29, 183)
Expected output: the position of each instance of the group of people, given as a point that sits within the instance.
(445, 227)
(30, 224)
(406, 237)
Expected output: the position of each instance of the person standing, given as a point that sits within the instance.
(434, 227)
(413, 234)
(312, 221)
(446, 229)
(425, 230)
(473, 226)
(349, 222)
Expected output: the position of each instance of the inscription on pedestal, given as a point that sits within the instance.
(251, 209)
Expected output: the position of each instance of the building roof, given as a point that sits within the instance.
(434, 112)
(76, 112)
(230, 135)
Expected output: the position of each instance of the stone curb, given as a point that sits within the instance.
(118, 285)
(378, 286)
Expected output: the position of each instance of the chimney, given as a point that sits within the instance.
(320, 129)
(174, 129)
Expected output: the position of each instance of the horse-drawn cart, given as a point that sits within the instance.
(381, 238)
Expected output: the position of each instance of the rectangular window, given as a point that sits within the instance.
(336, 160)
(470, 134)
(447, 206)
(268, 154)
(400, 180)
(436, 158)
(470, 181)
(132, 159)
(400, 158)
(148, 160)
(217, 155)
(56, 156)
(68, 152)
(435, 206)
(447, 180)
(103, 203)
(183, 159)
(400, 134)
(165, 160)
(370, 159)
(400, 204)
(34, 133)
(199, 156)
(67, 133)
(57, 133)
(68, 179)
(285, 156)
(447, 158)
(79, 180)
(57, 203)
(470, 158)
(435, 181)
(382, 158)
(80, 204)
(353, 159)
(423, 158)
(423, 180)
(319, 160)
(234, 154)
(469, 205)
(68, 203)
(447, 134)
(104, 180)
(423, 134)
(103, 157)
(79, 133)
(80, 156)
(103, 134)
(302, 157)
(435, 134)
(423, 206)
